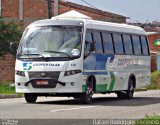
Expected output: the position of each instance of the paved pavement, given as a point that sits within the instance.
(103, 107)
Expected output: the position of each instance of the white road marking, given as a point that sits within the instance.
(70, 109)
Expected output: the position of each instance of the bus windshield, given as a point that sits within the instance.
(51, 41)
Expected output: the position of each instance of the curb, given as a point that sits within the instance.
(7, 96)
(142, 89)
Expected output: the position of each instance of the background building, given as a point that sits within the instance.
(154, 43)
(27, 11)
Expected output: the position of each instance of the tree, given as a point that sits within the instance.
(9, 32)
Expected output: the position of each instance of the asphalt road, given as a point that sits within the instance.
(103, 107)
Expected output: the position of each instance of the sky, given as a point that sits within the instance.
(137, 10)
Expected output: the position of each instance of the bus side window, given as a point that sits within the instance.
(108, 43)
(144, 45)
(118, 44)
(98, 42)
(127, 44)
(89, 46)
(136, 45)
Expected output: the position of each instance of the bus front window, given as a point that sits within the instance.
(55, 41)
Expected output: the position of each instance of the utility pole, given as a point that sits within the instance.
(55, 7)
(49, 9)
(21, 10)
(0, 7)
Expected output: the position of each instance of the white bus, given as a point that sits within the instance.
(80, 57)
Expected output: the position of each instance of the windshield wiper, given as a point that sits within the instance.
(32, 54)
(58, 52)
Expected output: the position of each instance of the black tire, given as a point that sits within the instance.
(130, 91)
(86, 98)
(121, 95)
(30, 97)
(128, 94)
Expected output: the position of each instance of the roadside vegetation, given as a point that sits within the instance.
(149, 120)
(155, 80)
(9, 32)
(7, 88)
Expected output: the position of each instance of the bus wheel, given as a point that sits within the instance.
(128, 94)
(130, 91)
(86, 97)
(30, 97)
(121, 95)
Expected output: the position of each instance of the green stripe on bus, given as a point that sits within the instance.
(101, 87)
(112, 81)
(84, 88)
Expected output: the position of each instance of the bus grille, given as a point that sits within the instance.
(45, 75)
(36, 75)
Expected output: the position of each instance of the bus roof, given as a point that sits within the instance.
(116, 27)
(92, 24)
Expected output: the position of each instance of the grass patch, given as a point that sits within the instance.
(155, 81)
(149, 120)
(5, 88)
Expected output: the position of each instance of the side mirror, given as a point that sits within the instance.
(13, 48)
(75, 52)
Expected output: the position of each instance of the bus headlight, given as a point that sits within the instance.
(20, 73)
(72, 72)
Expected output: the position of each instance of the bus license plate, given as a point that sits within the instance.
(42, 82)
